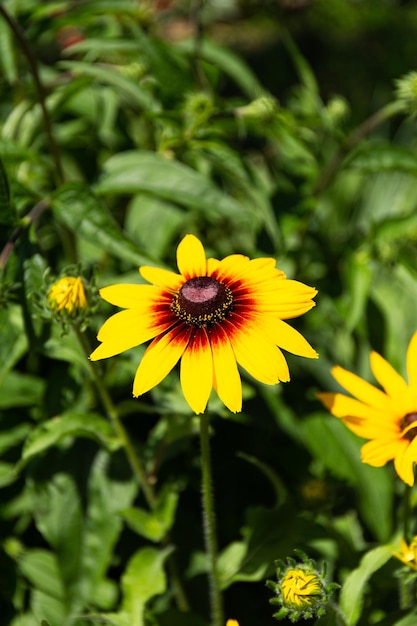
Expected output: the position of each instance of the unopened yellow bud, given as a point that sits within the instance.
(68, 295)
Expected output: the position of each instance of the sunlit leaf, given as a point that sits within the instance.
(143, 578)
(69, 424)
(155, 524)
(85, 214)
(353, 589)
(138, 171)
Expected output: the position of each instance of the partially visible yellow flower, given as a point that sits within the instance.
(67, 294)
(211, 316)
(232, 622)
(408, 553)
(387, 418)
(300, 588)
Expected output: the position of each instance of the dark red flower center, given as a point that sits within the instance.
(202, 301)
(410, 418)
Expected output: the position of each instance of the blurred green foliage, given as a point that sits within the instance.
(265, 128)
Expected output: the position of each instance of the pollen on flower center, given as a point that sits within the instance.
(202, 301)
(409, 424)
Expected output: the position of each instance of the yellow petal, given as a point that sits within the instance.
(287, 338)
(412, 361)
(227, 381)
(127, 329)
(379, 451)
(130, 296)
(258, 356)
(159, 359)
(364, 420)
(358, 387)
(197, 371)
(404, 461)
(394, 384)
(169, 281)
(191, 257)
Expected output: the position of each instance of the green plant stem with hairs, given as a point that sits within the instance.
(210, 524)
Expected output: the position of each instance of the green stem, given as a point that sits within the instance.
(209, 524)
(114, 417)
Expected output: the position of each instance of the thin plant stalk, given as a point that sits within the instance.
(216, 599)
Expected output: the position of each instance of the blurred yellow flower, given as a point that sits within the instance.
(67, 294)
(387, 418)
(408, 553)
(211, 316)
(232, 622)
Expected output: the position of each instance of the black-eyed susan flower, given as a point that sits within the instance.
(388, 417)
(67, 295)
(407, 553)
(301, 590)
(211, 316)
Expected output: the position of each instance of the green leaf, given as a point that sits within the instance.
(13, 344)
(359, 277)
(125, 86)
(11, 437)
(353, 589)
(229, 62)
(69, 424)
(8, 473)
(106, 496)
(82, 212)
(40, 567)
(382, 157)
(7, 54)
(143, 578)
(19, 390)
(58, 516)
(154, 525)
(269, 534)
(394, 290)
(338, 449)
(138, 171)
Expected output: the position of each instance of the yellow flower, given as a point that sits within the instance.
(232, 622)
(387, 418)
(300, 588)
(408, 553)
(211, 316)
(67, 294)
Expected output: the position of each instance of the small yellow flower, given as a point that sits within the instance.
(408, 553)
(388, 417)
(300, 588)
(232, 622)
(67, 295)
